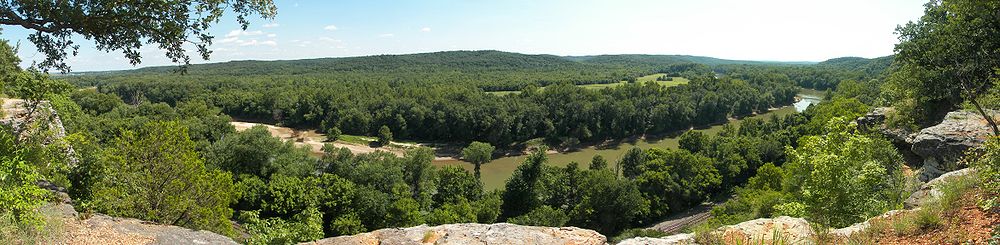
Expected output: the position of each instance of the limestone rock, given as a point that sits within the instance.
(103, 229)
(843, 234)
(678, 239)
(941, 146)
(931, 189)
(784, 228)
(500, 233)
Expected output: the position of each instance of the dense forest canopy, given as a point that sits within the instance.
(439, 96)
(158, 145)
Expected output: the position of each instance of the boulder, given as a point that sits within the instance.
(931, 189)
(937, 149)
(941, 146)
(786, 229)
(500, 233)
(678, 239)
(843, 234)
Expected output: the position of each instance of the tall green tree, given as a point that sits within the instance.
(126, 26)
(384, 136)
(155, 174)
(20, 196)
(951, 54)
(478, 153)
(843, 176)
(631, 163)
(521, 192)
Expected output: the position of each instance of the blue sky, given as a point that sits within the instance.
(776, 30)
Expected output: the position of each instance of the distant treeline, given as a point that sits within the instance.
(439, 96)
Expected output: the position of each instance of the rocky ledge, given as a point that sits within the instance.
(500, 233)
(103, 229)
(939, 147)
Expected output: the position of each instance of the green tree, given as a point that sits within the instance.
(988, 166)
(843, 177)
(157, 176)
(598, 163)
(125, 26)
(609, 204)
(631, 163)
(255, 151)
(520, 193)
(542, 216)
(454, 184)
(20, 196)
(673, 180)
(333, 134)
(303, 227)
(384, 136)
(478, 153)
(951, 53)
(419, 175)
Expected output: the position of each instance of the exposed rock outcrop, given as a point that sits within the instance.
(931, 189)
(942, 145)
(43, 120)
(500, 233)
(678, 239)
(937, 148)
(103, 229)
(788, 229)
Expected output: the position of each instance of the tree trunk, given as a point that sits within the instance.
(972, 98)
(477, 170)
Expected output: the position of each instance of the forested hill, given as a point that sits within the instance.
(870, 67)
(489, 70)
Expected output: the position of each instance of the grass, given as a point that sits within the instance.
(644, 79)
(47, 231)
(932, 215)
(776, 238)
(355, 139)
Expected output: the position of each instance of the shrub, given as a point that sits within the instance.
(988, 167)
(19, 196)
(542, 216)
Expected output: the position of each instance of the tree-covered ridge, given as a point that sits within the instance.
(489, 70)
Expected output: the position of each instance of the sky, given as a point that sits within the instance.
(770, 30)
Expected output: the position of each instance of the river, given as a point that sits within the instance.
(496, 172)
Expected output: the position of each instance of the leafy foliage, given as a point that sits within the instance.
(125, 26)
(478, 153)
(844, 177)
(948, 56)
(988, 167)
(19, 196)
(155, 174)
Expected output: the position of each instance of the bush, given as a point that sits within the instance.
(843, 177)
(19, 195)
(988, 167)
(156, 175)
(542, 216)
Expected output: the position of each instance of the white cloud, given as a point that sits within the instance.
(328, 39)
(330, 28)
(237, 33)
(387, 35)
(272, 35)
(271, 25)
(425, 29)
(256, 43)
(229, 39)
